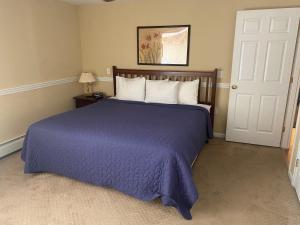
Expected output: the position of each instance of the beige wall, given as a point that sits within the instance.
(108, 35)
(39, 41)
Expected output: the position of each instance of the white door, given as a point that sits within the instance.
(263, 56)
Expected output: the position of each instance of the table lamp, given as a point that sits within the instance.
(87, 79)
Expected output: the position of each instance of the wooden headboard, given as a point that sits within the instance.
(207, 84)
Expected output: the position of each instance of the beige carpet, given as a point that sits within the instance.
(239, 184)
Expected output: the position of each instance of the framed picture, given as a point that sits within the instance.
(163, 45)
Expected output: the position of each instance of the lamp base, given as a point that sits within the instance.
(88, 90)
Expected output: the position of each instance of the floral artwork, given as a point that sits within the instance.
(163, 45)
(151, 48)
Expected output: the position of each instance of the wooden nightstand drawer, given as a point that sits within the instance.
(82, 100)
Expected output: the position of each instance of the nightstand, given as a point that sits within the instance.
(83, 100)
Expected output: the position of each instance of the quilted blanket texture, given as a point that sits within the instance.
(141, 149)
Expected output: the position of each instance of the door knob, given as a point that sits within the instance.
(234, 86)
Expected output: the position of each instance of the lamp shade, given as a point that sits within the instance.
(87, 78)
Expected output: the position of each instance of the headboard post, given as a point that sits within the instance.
(114, 78)
(213, 96)
(207, 84)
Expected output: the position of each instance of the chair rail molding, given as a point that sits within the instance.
(34, 86)
(30, 87)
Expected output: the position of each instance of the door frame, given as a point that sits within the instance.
(296, 153)
(295, 175)
(292, 96)
(296, 169)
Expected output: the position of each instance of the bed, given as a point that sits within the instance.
(141, 149)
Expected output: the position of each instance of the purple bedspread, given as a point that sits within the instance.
(144, 150)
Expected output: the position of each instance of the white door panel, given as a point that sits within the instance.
(280, 25)
(276, 57)
(262, 64)
(251, 25)
(248, 62)
(242, 112)
(266, 115)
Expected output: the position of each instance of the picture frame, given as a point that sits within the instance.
(163, 45)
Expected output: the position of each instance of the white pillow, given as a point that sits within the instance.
(188, 92)
(162, 91)
(132, 89)
(207, 107)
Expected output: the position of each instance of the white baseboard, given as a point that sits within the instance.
(291, 177)
(219, 135)
(11, 146)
